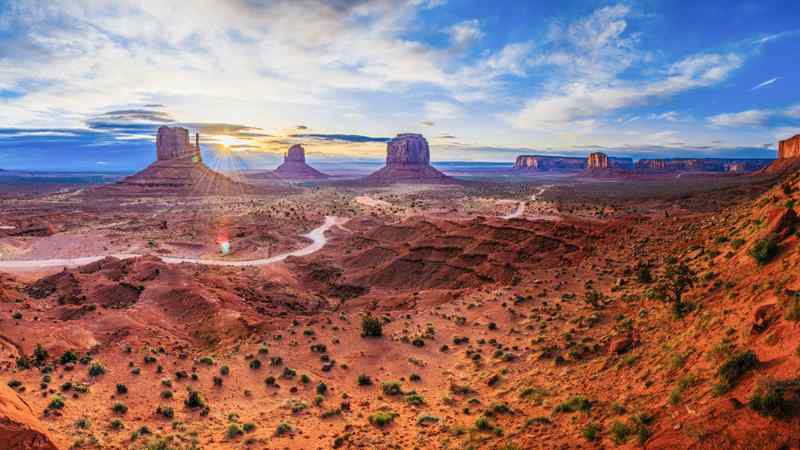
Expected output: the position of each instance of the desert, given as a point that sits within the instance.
(399, 225)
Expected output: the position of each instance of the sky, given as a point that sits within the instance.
(84, 84)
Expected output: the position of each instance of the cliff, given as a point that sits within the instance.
(571, 163)
(19, 426)
(173, 143)
(408, 160)
(789, 148)
(701, 165)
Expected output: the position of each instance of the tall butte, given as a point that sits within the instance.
(179, 169)
(294, 166)
(408, 159)
(788, 156)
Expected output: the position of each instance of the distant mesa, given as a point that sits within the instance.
(669, 165)
(788, 157)
(548, 163)
(294, 166)
(599, 163)
(179, 169)
(597, 160)
(408, 159)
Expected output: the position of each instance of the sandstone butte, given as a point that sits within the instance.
(295, 167)
(597, 160)
(789, 148)
(408, 159)
(178, 169)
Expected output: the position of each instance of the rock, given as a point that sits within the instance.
(597, 160)
(789, 148)
(294, 166)
(701, 165)
(549, 163)
(408, 159)
(19, 427)
(620, 345)
(173, 143)
(763, 317)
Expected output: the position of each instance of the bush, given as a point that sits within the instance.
(643, 273)
(96, 369)
(234, 431)
(769, 398)
(57, 402)
(382, 418)
(165, 411)
(194, 400)
(765, 249)
(119, 408)
(122, 389)
(371, 327)
(283, 428)
(392, 388)
(576, 403)
(255, 364)
(364, 380)
(733, 369)
(590, 431)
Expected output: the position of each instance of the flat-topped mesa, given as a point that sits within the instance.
(408, 159)
(294, 165)
(408, 148)
(597, 160)
(173, 143)
(549, 163)
(738, 165)
(789, 148)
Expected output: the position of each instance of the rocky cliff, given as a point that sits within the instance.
(19, 427)
(549, 163)
(790, 148)
(701, 165)
(408, 159)
(597, 160)
(173, 143)
(294, 165)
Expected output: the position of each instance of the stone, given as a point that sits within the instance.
(789, 148)
(408, 159)
(294, 166)
(597, 160)
(620, 345)
(173, 143)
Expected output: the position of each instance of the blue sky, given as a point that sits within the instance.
(84, 83)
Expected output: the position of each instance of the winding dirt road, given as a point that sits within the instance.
(317, 236)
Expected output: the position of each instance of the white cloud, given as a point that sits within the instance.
(438, 110)
(669, 116)
(764, 84)
(753, 117)
(465, 33)
(586, 100)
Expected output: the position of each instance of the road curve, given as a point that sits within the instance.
(317, 236)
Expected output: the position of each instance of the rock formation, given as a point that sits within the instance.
(701, 165)
(790, 148)
(408, 159)
(597, 160)
(19, 426)
(294, 165)
(179, 169)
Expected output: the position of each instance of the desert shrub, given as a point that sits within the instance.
(234, 431)
(591, 431)
(96, 369)
(371, 327)
(575, 403)
(415, 399)
(165, 411)
(364, 380)
(14, 383)
(249, 427)
(122, 389)
(119, 408)
(382, 418)
(116, 424)
(643, 273)
(791, 307)
(733, 369)
(194, 400)
(83, 423)
(255, 364)
(57, 402)
(765, 249)
(392, 388)
(283, 428)
(426, 419)
(207, 360)
(677, 279)
(322, 389)
(770, 400)
(483, 423)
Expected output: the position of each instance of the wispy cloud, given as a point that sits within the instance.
(765, 83)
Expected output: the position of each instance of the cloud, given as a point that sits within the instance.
(465, 33)
(581, 101)
(764, 84)
(753, 117)
(669, 116)
(436, 111)
(340, 137)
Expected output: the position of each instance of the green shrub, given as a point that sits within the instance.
(371, 327)
(364, 380)
(591, 431)
(733, 369)
(769, 398)
(765, 249)
(119, 408)
(382, 418)
(96, 369)
(283, 428)
(576, 403)
(392, 388)
(194, 400)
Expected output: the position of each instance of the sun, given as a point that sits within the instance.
(227, 141)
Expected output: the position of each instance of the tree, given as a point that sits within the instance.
(677, 279)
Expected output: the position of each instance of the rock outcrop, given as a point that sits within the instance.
(173, 143)
(789, 148)
(179, 169)
(597, 160)
(294, 166)
(19, 427)
(701, 165)
(408, 159)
